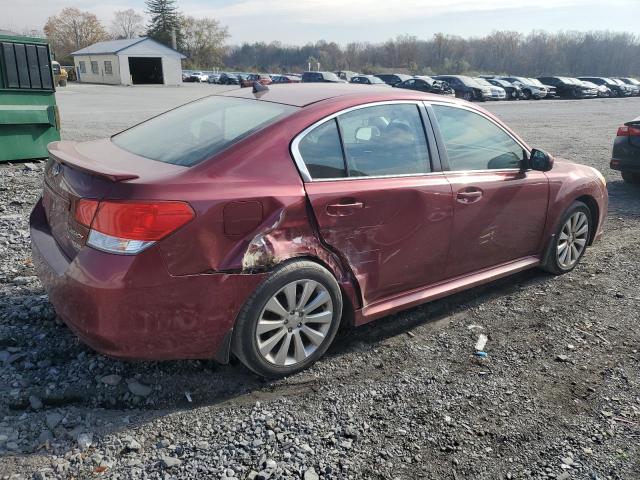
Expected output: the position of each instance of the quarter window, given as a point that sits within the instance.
(322, 152)
(475, 143)
(94, 68)
(108, 69)
(384, 140)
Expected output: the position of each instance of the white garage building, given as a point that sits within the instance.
(132, 61)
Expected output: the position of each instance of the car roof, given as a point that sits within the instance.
(303, 94)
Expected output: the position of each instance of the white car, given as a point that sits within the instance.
(199, 77)
(497, 93)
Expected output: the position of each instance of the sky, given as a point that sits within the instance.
(297, 22)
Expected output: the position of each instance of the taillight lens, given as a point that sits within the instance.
(130, 227)
(628, 131)
(85, 211)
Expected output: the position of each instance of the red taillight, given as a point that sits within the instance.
(628, 131)
(145, 221)
(85, 211)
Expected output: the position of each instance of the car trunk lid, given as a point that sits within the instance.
(88, 170)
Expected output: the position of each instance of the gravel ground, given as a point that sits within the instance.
(558, 395)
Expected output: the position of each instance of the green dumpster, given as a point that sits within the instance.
(29, 117)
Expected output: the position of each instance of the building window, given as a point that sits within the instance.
(94, 68)
(83, 67)
(108, 69)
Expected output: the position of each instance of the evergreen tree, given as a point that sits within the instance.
(165, 18)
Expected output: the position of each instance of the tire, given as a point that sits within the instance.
(572, 234)
(62, 83)
(526, 94)
(633, 178)
(467, 96)
(283, 334)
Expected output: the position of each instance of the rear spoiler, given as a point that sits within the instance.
(635, 121)
(87, 165)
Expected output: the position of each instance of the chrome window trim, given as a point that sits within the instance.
(302, 167)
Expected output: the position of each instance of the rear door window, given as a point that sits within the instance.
(384, 140)
(201, 129)
(473, 142)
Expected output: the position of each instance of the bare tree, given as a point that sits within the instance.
(204, 42)
(72, 30)
(126, 24)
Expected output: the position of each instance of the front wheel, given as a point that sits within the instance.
(526, 94)
(570, 241)
(290, 320)
(468, 96)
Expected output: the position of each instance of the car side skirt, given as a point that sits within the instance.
(433, 292)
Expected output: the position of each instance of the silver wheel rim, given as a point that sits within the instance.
(573, 239)
(294, 323)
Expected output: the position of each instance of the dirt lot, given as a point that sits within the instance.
(557, 397)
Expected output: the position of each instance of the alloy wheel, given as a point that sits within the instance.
(294, 322)
(572, 240)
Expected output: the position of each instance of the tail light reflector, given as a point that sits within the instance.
(130, 227)
(628, 131)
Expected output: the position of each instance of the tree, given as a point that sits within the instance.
(203, 41)
(72, 30)
(126, 24)
(165, 20)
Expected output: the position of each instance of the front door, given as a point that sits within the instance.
(499, 209)
(376, 199)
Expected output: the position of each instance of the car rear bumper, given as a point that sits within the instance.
(131, 307)
(626, 155)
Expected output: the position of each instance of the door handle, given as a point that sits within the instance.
(343, 209)
(469, 196)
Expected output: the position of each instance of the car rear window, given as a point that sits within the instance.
(199, 130)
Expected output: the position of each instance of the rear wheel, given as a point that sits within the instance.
(570, 242)
(290, 320)
(631, 177)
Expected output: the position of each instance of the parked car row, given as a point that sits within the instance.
(483, 88)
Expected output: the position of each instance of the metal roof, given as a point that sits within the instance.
(116, 46)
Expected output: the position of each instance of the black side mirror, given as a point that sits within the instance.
(540, 160)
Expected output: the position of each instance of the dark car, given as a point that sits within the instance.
(567, 87)
(514, 92)
(531, 88)
(393, 78)
(626, 151)
(229, 78)
(321, 77)
(633, 89)
(286, 78)
(424, 83)
(466, 87)
(366, 80)
(254, 225)
(261, 78)
(632, 82)
(617, 90)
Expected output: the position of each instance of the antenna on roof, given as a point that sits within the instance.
(259, 88)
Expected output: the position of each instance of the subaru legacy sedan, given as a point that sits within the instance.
(254, 223)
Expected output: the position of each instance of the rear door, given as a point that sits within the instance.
(499, 209)
(379, 197)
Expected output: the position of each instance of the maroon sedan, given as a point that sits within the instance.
(254, 223)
